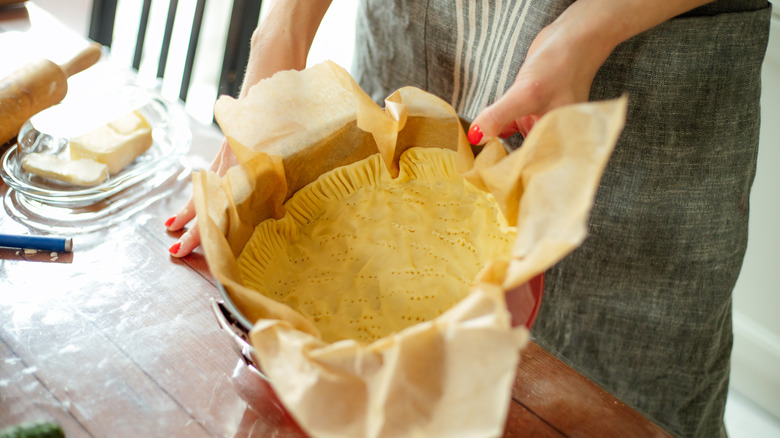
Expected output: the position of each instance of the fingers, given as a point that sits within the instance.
(178, 221)
(224, 160)
(522, 125)
(190, 240)
(186, 243)
(221, 163)
(513, 112)
(509, 130)
(525, 123)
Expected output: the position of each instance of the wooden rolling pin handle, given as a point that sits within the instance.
(83, 60)
(37, 86)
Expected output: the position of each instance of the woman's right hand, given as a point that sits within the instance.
(280, 42)
(191, 238)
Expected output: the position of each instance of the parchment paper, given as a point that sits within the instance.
(451, 376)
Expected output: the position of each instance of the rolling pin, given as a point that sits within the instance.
(37, 86)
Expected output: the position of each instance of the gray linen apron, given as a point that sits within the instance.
(643, 307)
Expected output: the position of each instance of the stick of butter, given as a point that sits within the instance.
(82, 172)
(115, 144)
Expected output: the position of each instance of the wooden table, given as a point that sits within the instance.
(119, 339)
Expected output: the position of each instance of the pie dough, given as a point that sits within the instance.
(364, 255)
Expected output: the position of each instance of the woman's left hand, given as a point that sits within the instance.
(558, 70)
(564, 58)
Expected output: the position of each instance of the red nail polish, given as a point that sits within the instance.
(475, 134)
(169, 222)
(174, 248)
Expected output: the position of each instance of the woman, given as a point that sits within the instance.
(643, 307)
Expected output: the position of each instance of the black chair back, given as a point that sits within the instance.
(244, 18)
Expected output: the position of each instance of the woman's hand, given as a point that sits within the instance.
(281, 42)
(554, 74)
(564, 58)
(191, 239)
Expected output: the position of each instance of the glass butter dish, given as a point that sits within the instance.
(50, 133)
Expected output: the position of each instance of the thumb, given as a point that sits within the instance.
(511, 113)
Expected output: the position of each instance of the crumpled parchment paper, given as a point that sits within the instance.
(451, 376)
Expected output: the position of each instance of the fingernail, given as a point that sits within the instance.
(475, 135)
(169, 222)
(174, 249)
